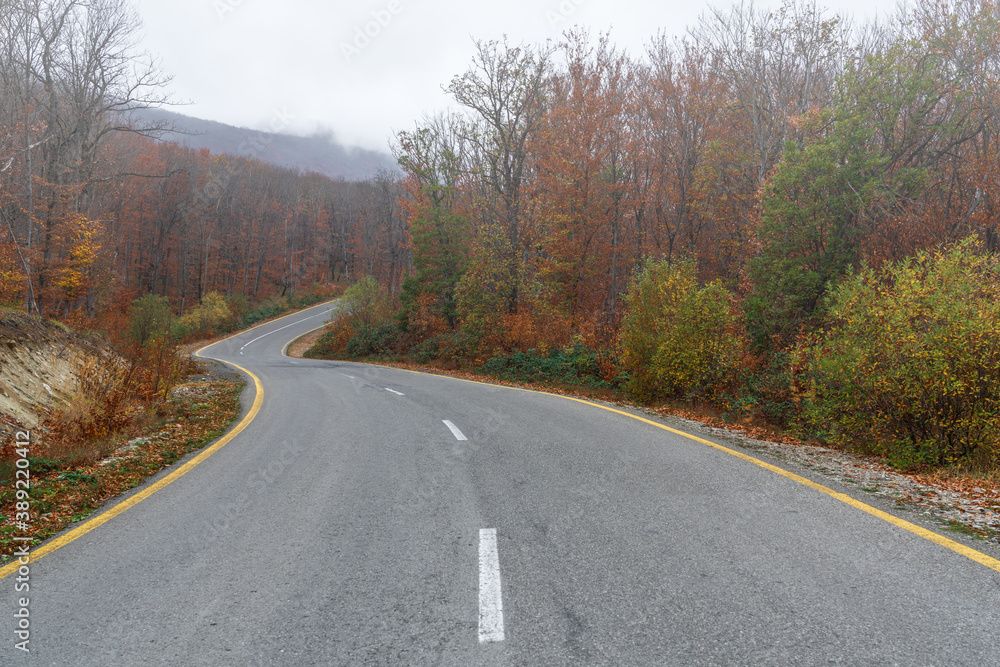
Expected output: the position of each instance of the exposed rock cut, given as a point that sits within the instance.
(40, 362)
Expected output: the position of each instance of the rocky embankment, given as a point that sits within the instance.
(40, 366)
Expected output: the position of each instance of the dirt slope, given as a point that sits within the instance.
(39, 365)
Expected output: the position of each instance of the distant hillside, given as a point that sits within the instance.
(317, 153)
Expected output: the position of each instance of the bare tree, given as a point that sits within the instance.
(504, 90)
(71, 74)
(777, 64)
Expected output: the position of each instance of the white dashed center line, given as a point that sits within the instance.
(393, 391)
(490, 598)
(454, 430)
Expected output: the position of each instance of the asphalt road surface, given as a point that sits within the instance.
(372, 516)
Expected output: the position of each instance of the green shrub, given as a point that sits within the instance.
(371, 340)
(150, 317)
(210, 316)
(362, 325)
(761, 393)
(326, 346)
(426, 350)
(179, 330)
(679, 339)
(452, 348)
(260, 312)
(238, 305)
(909, 365)
(316, 295)
(574, 365)
(366, 304)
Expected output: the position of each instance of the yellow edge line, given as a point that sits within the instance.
(134, 500)
(919, 531)
(284, 350)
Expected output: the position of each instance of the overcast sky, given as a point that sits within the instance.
(307, 65)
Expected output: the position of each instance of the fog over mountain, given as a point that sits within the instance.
(319, 153)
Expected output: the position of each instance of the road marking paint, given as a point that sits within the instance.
(349, 376)
(454, 430)
(920, 531)
(284, 350)
(277, 330)
(393, 391)
(931, 536)
(134, 500)
(490, 598)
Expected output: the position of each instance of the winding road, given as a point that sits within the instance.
(373, 516)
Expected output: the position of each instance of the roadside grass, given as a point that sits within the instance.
(969, 531)
(195, 414)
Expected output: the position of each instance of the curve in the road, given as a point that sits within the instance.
(941, 540)
(919, 531)
(133, 500)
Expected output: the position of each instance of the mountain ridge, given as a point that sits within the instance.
(317, 153)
